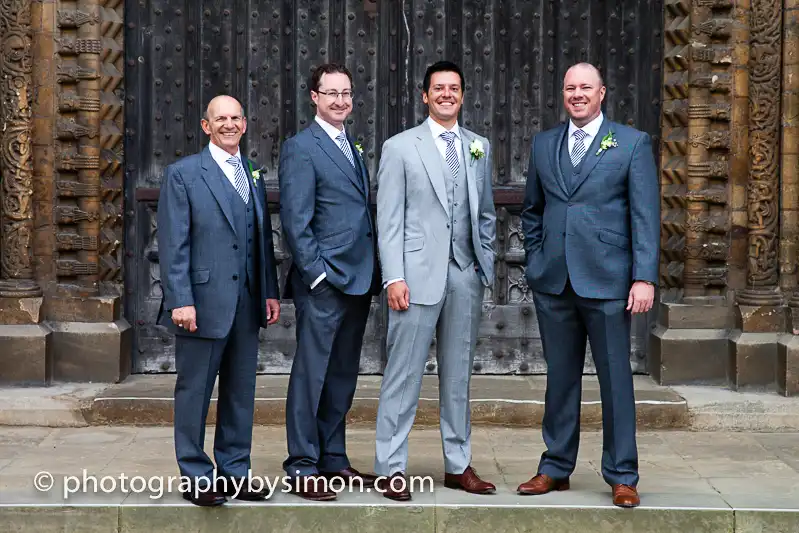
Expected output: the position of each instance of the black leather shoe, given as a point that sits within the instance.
(205, 499)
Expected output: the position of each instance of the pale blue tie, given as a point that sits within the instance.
(345, 147)
(240, 178)
(451, 153)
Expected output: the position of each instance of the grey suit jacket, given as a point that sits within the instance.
(413, 212)
(325, 213)
(604, 232)
(197, 245)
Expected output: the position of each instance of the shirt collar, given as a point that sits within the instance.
(437, 129)
(592, 128)
(221, 156)
(329, 128)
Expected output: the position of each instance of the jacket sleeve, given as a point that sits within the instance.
(391, 211)
(644, 198)
(174, 240)
(488, 215)
(533, 208)
(297, 178)
(272, 286)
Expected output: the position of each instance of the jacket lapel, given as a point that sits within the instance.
(433, 163)
(256, 192)
(213, 176)
(591, 159)
(471, 169)
(334, 152)
(362, 165)
(554, 151)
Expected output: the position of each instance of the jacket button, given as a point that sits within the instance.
(235, 277)
(369, 234)
(235, 246)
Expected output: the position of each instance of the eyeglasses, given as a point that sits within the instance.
(333, 95)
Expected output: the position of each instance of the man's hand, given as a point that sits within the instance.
(642, 296)
(185, 317)
(272, 311)
(399, 296)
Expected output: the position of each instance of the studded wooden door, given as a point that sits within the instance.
(180, 53)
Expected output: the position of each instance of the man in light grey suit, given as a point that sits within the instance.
(591, 221)
(436, 234)
(219, 281)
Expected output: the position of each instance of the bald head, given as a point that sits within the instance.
(587, 70)
(583, 93)
(224, 122)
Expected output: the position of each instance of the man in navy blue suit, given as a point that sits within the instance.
(219, 281)
(330, 233)
(591, 221)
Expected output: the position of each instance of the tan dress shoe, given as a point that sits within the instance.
(625, 496)
(541, 484)
(469, 481)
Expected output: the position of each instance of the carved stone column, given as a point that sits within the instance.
(17, 277)
(761, 317)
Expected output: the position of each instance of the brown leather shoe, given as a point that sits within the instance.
(469, 481)
(368, 480)
(394, 490)
(314, 488)
(541, 484)
(625, 496)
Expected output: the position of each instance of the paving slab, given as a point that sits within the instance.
(116, 479)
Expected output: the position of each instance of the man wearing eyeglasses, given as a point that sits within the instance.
(330, 234)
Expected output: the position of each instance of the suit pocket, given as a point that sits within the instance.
(616, 239)
(335, 240)
(412, 245)
(608, 166)
(201, 275)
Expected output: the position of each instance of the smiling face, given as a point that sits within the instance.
(225, 123)
(334, 98)
(583, 94)
(444, 97)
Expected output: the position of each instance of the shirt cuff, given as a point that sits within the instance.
(389, 282)
(317, 280)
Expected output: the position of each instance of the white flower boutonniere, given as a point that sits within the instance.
(476, 149)
(256, 174)
(608, 142)
(359, 148)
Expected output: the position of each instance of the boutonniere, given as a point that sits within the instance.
(256, 174)
(476, 149)
(359, 148)
(608, 142)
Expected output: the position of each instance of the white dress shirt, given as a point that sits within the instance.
(333, 132)
(221, 157)
(436, 130)
(591, 130)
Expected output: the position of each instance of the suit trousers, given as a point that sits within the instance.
(565, 320)
(330, 329)
(454, 321)
(198, 361)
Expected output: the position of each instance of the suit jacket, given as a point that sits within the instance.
(413, 212)
(325, 213)
(604, 231)
(197, 245)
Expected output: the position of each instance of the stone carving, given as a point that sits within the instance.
(16, 166)
(764, 122)
(75, 19)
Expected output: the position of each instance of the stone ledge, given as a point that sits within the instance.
(495, 400)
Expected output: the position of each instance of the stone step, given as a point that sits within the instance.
(495, 400)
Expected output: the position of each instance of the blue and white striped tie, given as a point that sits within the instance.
(451, 153)
(241, 179)
(345, 147)
(579, 149)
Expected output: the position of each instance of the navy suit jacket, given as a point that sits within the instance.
(325, 214)
(197, 245)
(604, 232)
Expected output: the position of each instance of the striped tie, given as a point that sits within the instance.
(241, 179)
(345, 147)
(451, 153)
(579, 147)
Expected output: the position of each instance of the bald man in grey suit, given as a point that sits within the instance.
(436, 234)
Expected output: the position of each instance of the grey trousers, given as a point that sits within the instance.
(454, 321)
